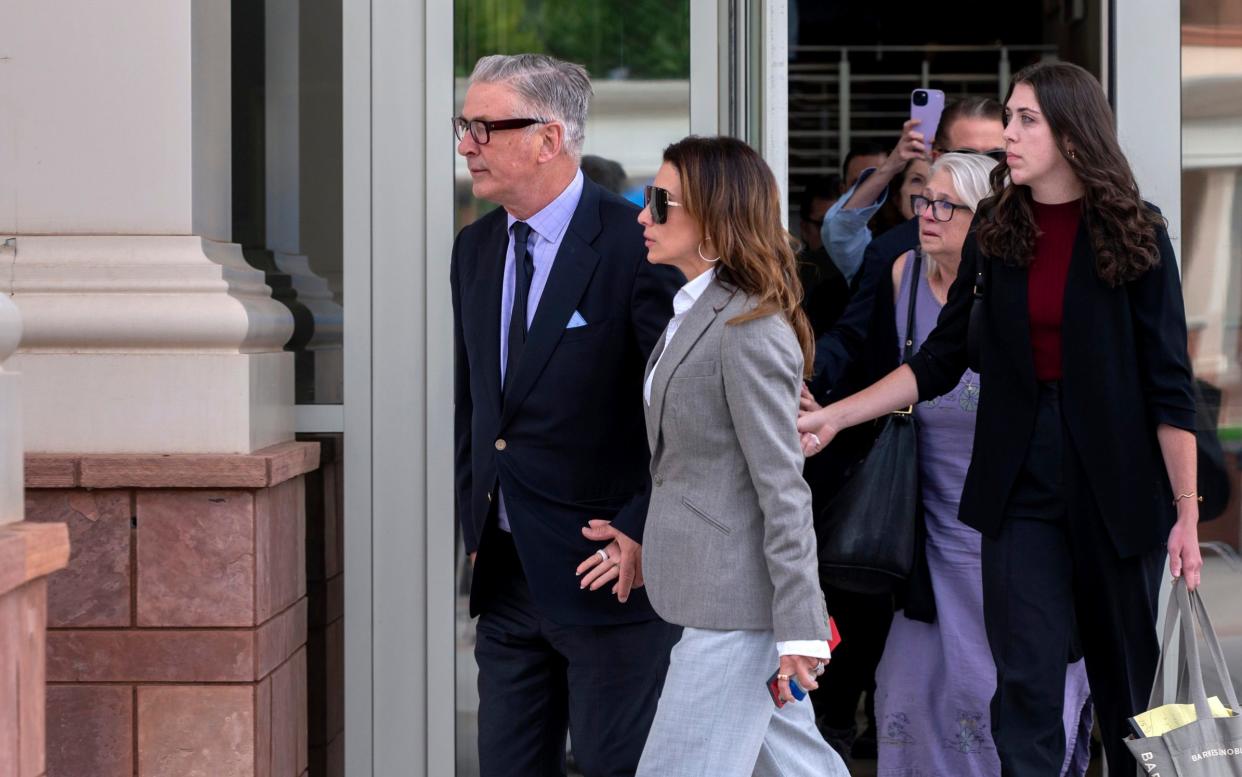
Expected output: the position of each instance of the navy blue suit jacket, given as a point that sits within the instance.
(566, 443)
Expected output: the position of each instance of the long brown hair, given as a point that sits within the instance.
(730, 191)
(1123, 229)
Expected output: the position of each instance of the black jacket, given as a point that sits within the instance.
(837, 351)
(1125, 370)
(566, 442)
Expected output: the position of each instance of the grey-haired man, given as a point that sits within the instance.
(555, 311)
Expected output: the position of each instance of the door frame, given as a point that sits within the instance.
(400, 539)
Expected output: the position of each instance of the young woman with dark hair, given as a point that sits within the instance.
(1083, 463)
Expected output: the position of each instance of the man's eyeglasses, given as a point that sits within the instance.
(942, 210)
(657, 201)
(481, 129)
(997, 153)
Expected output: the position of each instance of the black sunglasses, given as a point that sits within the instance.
(656, 199)
(481, 129)
(942, 210)
(997, 153)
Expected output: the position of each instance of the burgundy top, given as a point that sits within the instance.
(1058, 226)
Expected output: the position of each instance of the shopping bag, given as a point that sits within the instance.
(1204, 740)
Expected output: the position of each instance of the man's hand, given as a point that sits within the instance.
(472, 555)
(805, 668)
(911, 146)
(624, 560)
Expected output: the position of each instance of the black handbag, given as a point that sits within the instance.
(866, 534)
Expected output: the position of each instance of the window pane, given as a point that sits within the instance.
(1212, 226)
(638, 55)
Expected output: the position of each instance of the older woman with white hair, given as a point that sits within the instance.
(936, 679)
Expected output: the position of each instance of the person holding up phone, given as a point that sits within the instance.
(1083, 462)
(845, 231)
(729, 549)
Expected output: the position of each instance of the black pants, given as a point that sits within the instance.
(538, 680)
(863, 620)
(1052, 565)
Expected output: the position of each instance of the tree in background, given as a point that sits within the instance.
(625, 39)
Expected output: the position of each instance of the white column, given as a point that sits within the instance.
(286, 120)
(145, 331)
(1206, 272)
(11, 485)
(1147, 74)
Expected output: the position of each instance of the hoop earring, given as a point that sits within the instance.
(700, 250)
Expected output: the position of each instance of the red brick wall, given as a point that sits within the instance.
(177, 641)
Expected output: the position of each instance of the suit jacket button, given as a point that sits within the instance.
(501, 444)
(489, 496)
(659, 480)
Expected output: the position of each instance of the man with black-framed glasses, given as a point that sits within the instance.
(555, 310)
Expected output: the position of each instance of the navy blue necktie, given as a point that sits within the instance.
(524, 271)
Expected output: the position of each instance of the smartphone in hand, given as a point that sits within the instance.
(926, 105)
(773, 685)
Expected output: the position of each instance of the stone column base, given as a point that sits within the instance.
(177, 634)
(28, 552)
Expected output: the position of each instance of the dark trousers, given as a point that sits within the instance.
(1051, 566)
(863, 620)
(539, 680)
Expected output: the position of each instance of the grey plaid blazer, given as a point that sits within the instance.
(729, 543)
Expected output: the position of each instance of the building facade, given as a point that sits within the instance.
(225, 339)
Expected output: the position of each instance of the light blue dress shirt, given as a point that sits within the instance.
(547, 230)
(845, 232)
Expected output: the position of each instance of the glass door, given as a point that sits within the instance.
(410, 698)
(640, 60)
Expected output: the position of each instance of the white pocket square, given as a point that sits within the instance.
(575, 321)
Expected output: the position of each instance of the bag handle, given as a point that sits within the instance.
(1190, 646)
(913, 272)
(1172, 616)
(1214, 650)
(1186, 608)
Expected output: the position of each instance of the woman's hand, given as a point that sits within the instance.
(805, 668)
(1185, 559)
(621, 560)
(818, 429)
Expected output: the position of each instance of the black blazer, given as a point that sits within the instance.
(567, 441)
(1125, 369)
(838, 350)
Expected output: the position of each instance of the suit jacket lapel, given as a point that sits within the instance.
(652, 360)
(571, 272)
(492, 275)
(700, 317)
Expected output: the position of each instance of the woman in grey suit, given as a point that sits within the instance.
(729, 549)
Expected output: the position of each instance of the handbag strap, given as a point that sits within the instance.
(1214, 650)
(1172, 614)
(1191, 647)
(913, 272)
